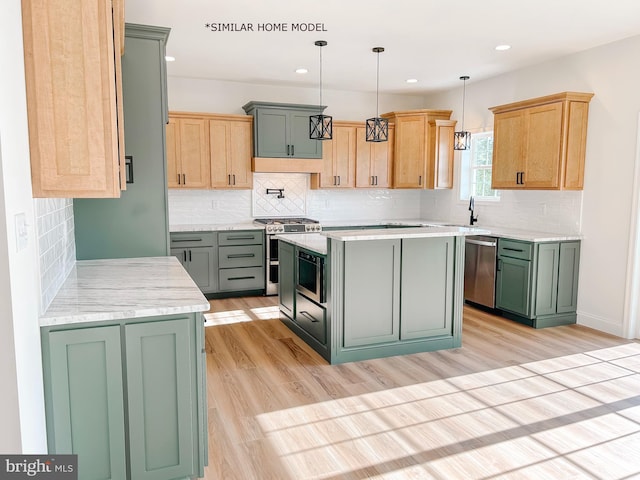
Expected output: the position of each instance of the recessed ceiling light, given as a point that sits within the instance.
(412, 80)
(501, 48)
(169, 58)
(302, 70)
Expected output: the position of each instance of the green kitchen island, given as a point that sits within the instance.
(386, 292)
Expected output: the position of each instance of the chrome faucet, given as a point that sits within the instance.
(472, 219)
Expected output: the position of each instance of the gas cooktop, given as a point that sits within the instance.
(289, 225)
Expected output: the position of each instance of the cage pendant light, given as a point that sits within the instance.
(377, 128)
(462, 139)
(320, 126)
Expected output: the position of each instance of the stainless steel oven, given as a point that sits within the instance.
(310, 276)
(274, 226)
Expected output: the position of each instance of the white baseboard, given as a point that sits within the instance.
(601, 323)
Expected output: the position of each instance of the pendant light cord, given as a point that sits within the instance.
(321, 78)
(464, 94)
(377, 82)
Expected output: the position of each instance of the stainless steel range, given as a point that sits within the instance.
(274, 226)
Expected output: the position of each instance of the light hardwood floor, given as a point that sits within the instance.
(512, 403)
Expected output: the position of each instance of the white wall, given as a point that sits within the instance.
(609, 72)
(200, 95)
(19, 282)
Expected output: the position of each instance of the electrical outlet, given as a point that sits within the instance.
(214, 204)
(22, 234)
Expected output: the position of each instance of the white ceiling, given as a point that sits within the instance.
(434, 41)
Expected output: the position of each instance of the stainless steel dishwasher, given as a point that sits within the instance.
(480, 270)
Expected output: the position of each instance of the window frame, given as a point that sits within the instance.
(467, 170)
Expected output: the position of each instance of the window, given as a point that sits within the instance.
(475, 177)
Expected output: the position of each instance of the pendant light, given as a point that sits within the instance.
(462, 139)
(377, 128)
(320, 126)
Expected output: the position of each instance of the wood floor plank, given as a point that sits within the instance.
(512, 403)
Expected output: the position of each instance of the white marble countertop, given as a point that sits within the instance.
(393, 233)
(514, 234)
(316, 242)
(114, 289)
(214, 227)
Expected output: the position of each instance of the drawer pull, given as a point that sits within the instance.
(241, 255)
(309, 316)
(242, 238)
(242, 278)
(186, 240)
(513, 249)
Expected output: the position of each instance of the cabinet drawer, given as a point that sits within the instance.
(515, 249)
(251, 278)
(240, 256)
(192, 239)
(244, 237)
(312, 318)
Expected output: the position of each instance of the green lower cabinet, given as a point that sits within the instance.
(129, 397)
(541, 289)
(427, 279)
(200, 263)
(160, 376)
(85, 401)
(513, 285)
(286, 278)
(372, 288)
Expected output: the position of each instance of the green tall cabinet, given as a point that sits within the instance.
(137, 223)
(128, 396)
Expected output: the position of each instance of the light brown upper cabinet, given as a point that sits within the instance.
(373, 160)
(209, 150)
(188, 152)
(423, 148)
(231, 149)
(338, 158)
(72, 62)
(539, 144)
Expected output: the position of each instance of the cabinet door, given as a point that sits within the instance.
(339, 160)
(443, 154)
(508, 149)
(193, 148)
(371, 292)
(287, 279)
(547, 278)
(161, 384)
(373, 160)
(84, 390)
(301, 145)
(272, 137)
(513, 285)
(410, 154)
(543, 147)
(230, 154)
(427, 279)
(70, 82)
(568, 270)
(240, 153)
(181, 254)
(201, 267)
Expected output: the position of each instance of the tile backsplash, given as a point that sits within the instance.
(56, 245)
(240, 206)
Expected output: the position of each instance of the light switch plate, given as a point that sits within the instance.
(22, 234)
